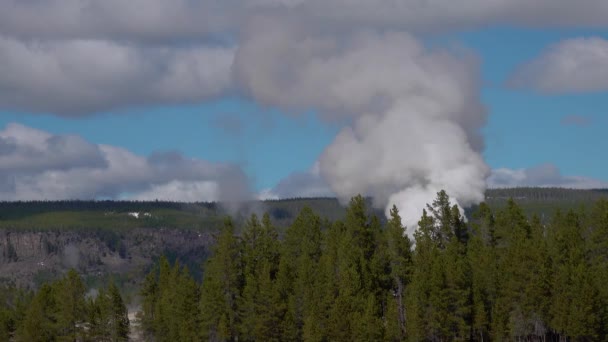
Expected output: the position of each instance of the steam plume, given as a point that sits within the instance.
(413, 115)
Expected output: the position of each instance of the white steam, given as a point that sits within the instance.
(413, 115)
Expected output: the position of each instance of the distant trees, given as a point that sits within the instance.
(60, 311)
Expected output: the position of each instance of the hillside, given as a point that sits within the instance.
(125, 215)
(122, 240)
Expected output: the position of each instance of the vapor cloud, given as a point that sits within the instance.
(38, 165)
(415, 113)
(571, 66)
(300, 184)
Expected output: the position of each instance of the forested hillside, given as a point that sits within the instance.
(117, 215)
(531, 268)
(502, 277)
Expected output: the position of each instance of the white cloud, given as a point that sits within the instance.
(82, 76)
(72, 57)
(267, 194)
(545, 175)
(162, 20)
(37, 165)
(179, 191)
(571, 66)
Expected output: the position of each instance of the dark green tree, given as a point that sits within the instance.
(221, 288)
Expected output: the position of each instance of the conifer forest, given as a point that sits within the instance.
(498, 275)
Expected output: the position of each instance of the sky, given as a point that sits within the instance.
(199, 100)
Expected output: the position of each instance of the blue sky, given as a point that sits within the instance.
(268, 145)
(229, 98)
(525, 127)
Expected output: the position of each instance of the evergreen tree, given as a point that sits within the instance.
(597, 252)
(187, 312)
(297, 277)
(108, 316)
(574, 311)
(40, 321)
(221, 289)
(441, 288)
(71, 307)
(400, 256)
(482, 258)
(149, 298)
(261, 259)
(118, 319)
(418, 294)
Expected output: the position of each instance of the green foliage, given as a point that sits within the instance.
(169, 298)
(503, 275)
(59, 311)
(221, 288)
(108, 314)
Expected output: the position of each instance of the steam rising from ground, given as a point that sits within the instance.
(413, 114)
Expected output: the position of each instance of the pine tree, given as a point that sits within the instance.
(71, 307)
(164, 310)
(261, 257)
(108, 316)
(297, 277)
(118, 319)
(597, 252)
(149, 299)
(400, 262)
(221, 288)
(98, 313)
(512, 232)
(482, 258)
(40, 321)
(419, 291)
(187, 313)
(574, 299)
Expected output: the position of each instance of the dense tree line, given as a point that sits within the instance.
(61, 311)
(500, 276)
(547, 194)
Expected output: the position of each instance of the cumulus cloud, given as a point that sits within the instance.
(545, 175)
(85, 56)
(571, 66)
(160, 20)
(83, 76)
(141, 20)
(38, 165)
(27, 151)
(180, 191)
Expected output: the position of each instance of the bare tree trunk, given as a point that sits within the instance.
(400, 306)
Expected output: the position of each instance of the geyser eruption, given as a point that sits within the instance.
(412, 114)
